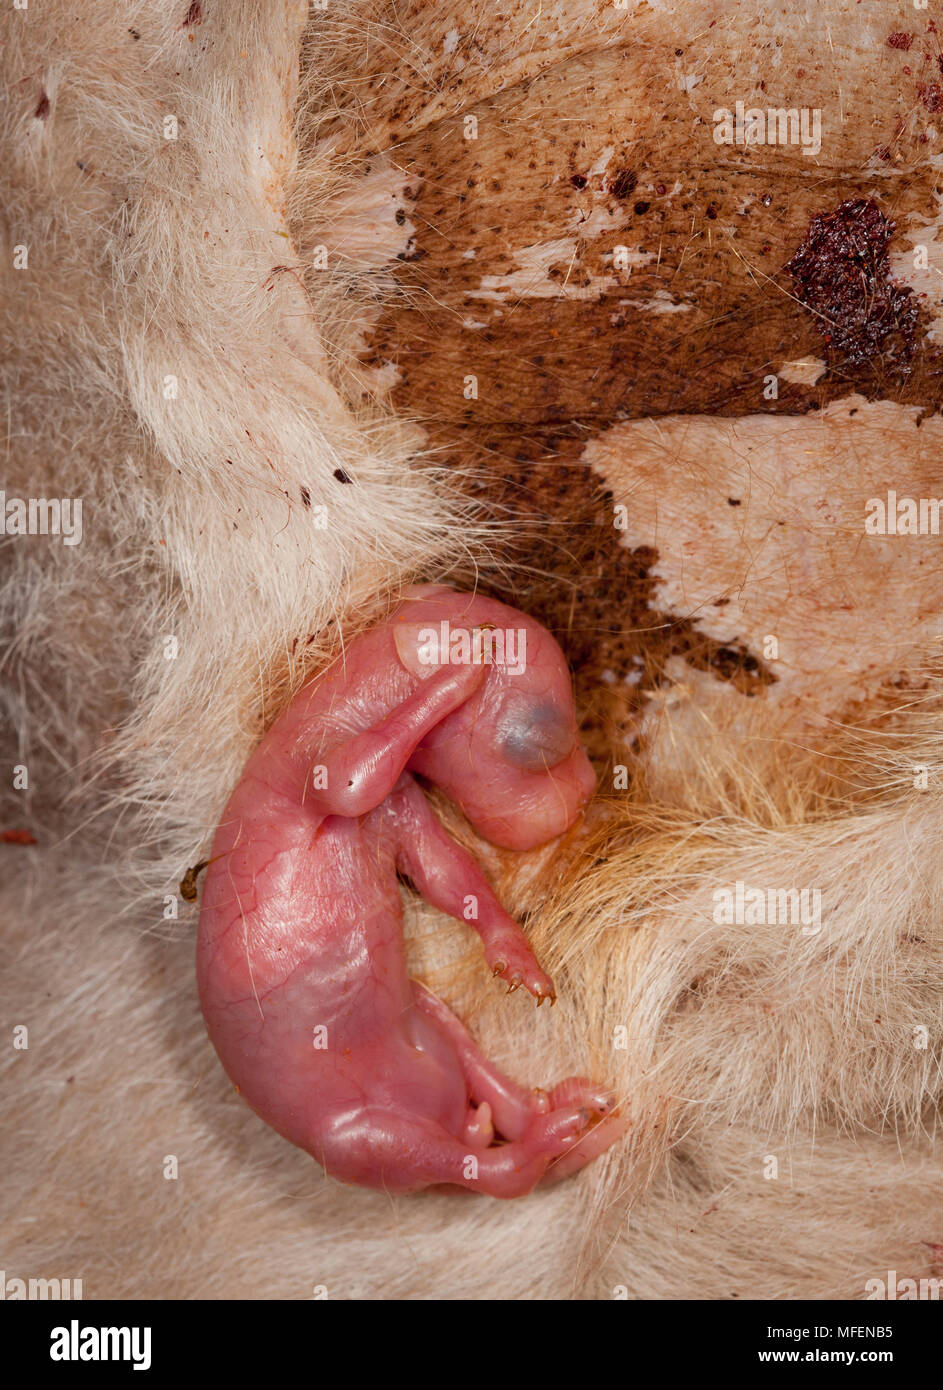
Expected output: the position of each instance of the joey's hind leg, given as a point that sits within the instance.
(512, 1107)
(403, 1153)
(448, 877)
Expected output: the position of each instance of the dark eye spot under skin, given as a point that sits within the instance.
(535, 737)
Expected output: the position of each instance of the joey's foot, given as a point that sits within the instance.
(579, 1090)
(556, 1132)
(514, 962)
(593, 1141)
(572, 1125)
(552, 1134)
(562, 1116)
(555, 1143)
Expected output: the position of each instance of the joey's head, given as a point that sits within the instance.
(510, 757)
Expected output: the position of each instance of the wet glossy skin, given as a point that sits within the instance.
(300, 956)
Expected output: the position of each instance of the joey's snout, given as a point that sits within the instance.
(532, 808)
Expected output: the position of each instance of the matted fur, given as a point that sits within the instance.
(188, 258)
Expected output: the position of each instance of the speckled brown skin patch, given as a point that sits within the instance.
(595, 131)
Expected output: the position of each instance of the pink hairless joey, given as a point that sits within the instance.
(300, 958)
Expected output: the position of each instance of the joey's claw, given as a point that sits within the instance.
(513, 959)
(541, 1100)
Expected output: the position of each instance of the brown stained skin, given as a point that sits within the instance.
(716, 309)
